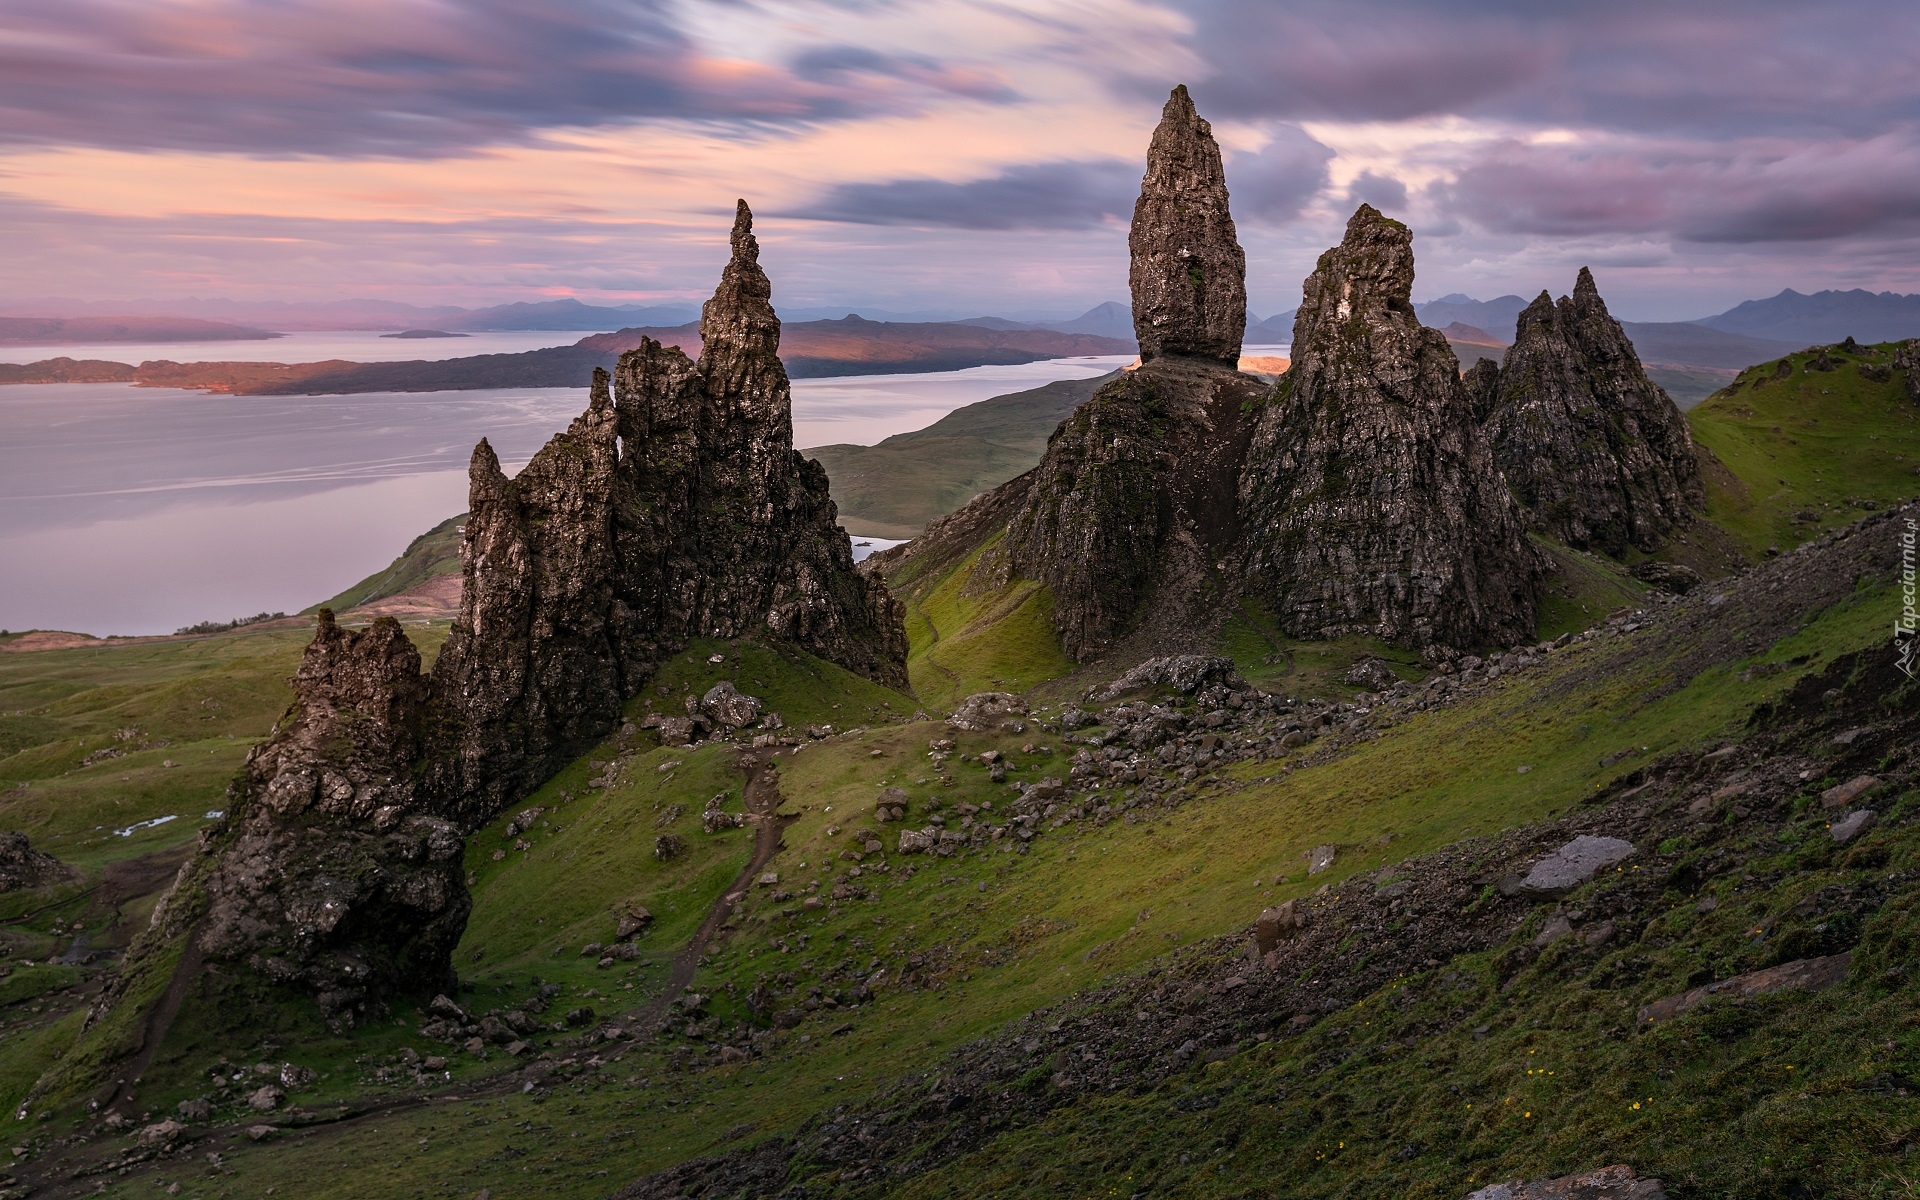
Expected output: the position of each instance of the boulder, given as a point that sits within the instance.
(918, 841)
(891, 805)
(1851, 826)
(1802, 975)
(1574, 864)
(161, 1133)
(1607, 1183)
(1277, 924)
(1184, 673)
(1668, 577)
(1320, 858)
(725, 705)
(985, 711)
(1371, 674)
(21, 866)
(1841, 795)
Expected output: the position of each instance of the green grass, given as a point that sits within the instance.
(1059, 919)
(1582, 590)
(997, 640)
(434, 553)
(895, 488)
(1808, 451)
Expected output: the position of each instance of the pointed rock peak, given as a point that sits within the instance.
(485, 479)
(1188, 271)
(601, 395)
(1368, 278)
(739, 321)
(1583, 287)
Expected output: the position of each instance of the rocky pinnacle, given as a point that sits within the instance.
(1369, 493)
(1189, 273)
(1594, 449)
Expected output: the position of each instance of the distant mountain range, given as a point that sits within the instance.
(52, 331)
(851, 345)
(1824, 317)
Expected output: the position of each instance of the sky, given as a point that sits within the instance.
(949, 155)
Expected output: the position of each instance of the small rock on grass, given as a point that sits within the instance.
(1851, 826)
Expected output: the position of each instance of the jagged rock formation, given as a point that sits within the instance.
(330, 872)
(1594, 449)
(1370, 495)
(1133, 505)
(1188, 272)
(21, 866)
(676, 507)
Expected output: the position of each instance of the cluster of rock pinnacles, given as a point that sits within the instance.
(1372, 491)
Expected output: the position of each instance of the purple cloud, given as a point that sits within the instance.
(1276, 183)
(1066, 194)
(406, 77)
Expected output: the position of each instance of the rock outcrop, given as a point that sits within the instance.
(1188, 275)
(330, 872)
(21, 866)
(1133, 506)
(1594, 449)
(675, 507)
(1370, 496)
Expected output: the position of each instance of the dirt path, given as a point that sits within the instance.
(762, 798)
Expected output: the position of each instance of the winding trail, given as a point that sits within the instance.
(762, 799)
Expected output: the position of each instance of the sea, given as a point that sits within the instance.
(129, 510)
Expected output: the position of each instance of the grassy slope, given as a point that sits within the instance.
(894, 488)
(1001, 934)
(434, 553)
(198, 702)
(1808, 450)
(961, 643)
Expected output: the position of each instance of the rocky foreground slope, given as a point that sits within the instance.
(1586, 902)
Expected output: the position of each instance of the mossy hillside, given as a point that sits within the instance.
(429, 556)
(1582, 590)
(803, 689)
(964, 639)
(1473, 1072)
(1809, 448)
(1055, 920)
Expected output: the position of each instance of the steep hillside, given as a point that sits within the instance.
(1809, 442)
(893, 489)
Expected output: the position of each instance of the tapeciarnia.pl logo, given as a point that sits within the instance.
(1906, 627)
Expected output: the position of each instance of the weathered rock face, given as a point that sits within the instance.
(331, 874)
(1189, 273)
(1594, 449)
(676, 507)
(1133, 506)
(21, 866)
(1370, 496)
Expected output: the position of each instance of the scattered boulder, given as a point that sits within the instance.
(260, 1133)
(161, 1133)
(1607, 1183)
(198, 1110)
(669, 846)
(21, 866)
(1574, 864)
(1320, 858)
(891, 805)
(1802, 975)
(918, 841)
(985, 711)
(1276, 925)
(266, 1099)
(1841, 795)
(1671, 578)
(725, 705)
(631, 922)
(1852, 826)
(1371, 674)
(1184, 673)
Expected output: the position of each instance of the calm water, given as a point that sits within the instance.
(140, 510)
(352, 345)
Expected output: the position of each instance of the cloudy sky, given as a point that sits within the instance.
(955, 155)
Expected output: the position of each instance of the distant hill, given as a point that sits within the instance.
(1270, 331)
(1687, 344)
(1823, 317)
(1497, 316)
(894, 488)
(53, 331)
(810, 349)
(565, 314)
(1111, 319)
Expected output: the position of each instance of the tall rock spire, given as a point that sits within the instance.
(1131, 512)
(1595, 450)
(739, 332)
(1189, 273)
(1370, 495)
